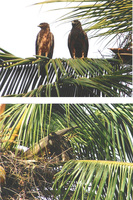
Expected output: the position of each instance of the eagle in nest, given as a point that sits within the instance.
(59, 147)
(78, 41)
(45, 41)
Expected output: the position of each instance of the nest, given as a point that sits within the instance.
(28, 179)
(31, 176)
(124, 54)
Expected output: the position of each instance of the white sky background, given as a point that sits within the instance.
(19, 21)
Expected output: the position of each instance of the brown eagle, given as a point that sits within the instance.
(45, 41)
(78, 41)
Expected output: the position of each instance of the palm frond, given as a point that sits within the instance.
(27, 124)
(98, 126)
(101, 141)
(63, 77)
(103, 126)
(100, 18)
(95, 179)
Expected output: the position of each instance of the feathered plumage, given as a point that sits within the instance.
(78, 41)
(45, 41)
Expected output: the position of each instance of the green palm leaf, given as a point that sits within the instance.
(64, 77)
(89, 179)
(102, 142)
(98, 126)
(103, 17)
(67, 77)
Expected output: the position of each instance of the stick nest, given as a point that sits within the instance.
(28, 179)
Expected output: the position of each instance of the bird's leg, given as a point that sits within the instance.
(46, 54)
(73, 53)
(65, 156)
(82, 54)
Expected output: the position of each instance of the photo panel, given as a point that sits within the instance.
(66, 151)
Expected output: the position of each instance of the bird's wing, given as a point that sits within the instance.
(50, 54)
(86, 44)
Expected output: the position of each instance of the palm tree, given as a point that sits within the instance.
(97, 137)
(40, 76)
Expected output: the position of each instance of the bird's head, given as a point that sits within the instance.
(76, 23)
(44, 25)
(52, 135)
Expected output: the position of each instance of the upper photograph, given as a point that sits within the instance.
(66, 48)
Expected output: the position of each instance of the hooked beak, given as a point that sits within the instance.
(73, 22)
(39, 25)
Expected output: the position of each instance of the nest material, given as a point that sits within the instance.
(124, 54)
(33, 179)
(55, 142)
(27, 179)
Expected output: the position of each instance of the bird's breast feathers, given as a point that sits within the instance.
(44, 42)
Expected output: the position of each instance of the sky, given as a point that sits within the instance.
(19, 21)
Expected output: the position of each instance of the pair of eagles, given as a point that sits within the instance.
(77, 41)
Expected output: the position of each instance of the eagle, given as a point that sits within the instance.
(45, 41)
(60, 147)
(78, 41)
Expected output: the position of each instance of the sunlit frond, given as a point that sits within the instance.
(64, 77)
(100, 136)
(98, 126)
(100, 18)
(89, 179)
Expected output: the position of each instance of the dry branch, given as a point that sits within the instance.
(43, 144)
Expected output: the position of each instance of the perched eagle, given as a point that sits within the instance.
(44, 41)
(78, 41)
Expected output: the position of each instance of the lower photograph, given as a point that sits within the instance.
(66, 151)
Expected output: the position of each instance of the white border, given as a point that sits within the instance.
(62, 100)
